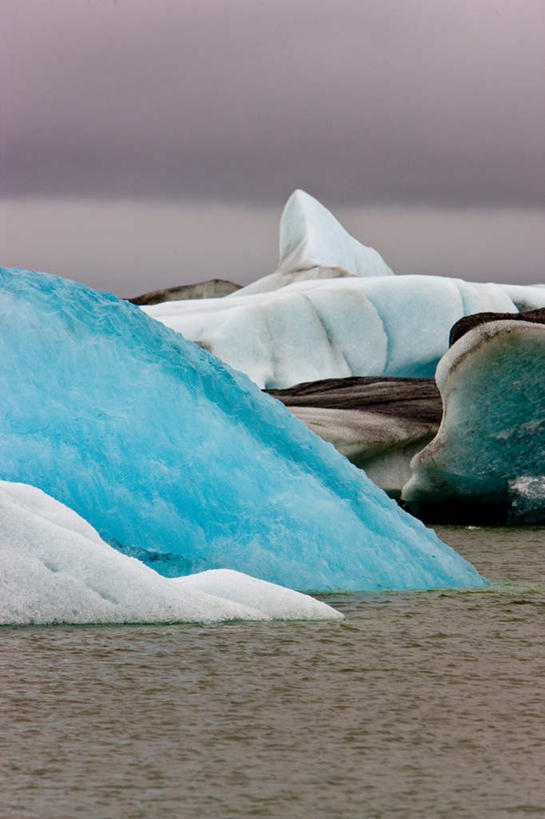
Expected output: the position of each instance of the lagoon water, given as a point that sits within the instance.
(425, 704)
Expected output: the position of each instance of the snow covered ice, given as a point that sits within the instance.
(54, 568)
(334, 328)
(176, 459)
(490, 447)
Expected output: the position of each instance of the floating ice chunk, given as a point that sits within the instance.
(182, 462)
(491, 441)
(527, 494)
(334, 328)
(268, 598)
(56, 569)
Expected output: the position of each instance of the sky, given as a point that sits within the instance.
(147, 144)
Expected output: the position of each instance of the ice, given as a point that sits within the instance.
(527, 495)
(269, 599)
(180, 461)
(333, 328)
(490, 447)
(378, 423)
(381, 444)
(282, 278)
(311, 236)
(313, 244)
(56, 569)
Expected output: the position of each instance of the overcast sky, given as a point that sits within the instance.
(150, 143)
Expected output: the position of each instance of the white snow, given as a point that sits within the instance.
(55, 568)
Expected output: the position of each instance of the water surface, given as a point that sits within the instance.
(425, 704)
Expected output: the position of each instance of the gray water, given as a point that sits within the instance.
(418, 704)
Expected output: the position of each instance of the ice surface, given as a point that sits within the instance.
(184, 463)
(381, 444)
(314, 245)
(333, 328)
(490, 447)
(54, 568)
(527, 495)
(282, 278)
(311, 236)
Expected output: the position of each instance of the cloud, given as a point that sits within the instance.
(359, 101)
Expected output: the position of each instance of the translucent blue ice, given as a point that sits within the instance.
(181, 461)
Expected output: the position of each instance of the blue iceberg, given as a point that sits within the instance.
(182, 462)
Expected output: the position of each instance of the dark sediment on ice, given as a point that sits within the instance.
(467, 323)
(379, 423)
(211, 289)
(414, 399)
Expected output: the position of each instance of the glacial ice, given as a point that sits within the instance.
(490, 448)
(282, 278)
(311, 236)
(378, 423)
(380, 444)
(334, 328)
(178, 460)
(54, 568)
(313, 244)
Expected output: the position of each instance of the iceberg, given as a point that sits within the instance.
(54, 568)
(487, 459)
(314, 245)
(310, 236)
(335, 328)
(180, 461)
(378, 423)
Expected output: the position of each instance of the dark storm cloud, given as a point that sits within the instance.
(360, 101)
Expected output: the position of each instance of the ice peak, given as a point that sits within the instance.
(310, 236)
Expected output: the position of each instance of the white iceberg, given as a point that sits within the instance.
(54, 568)
(310, 236)
(334, 328)
(314, 245)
